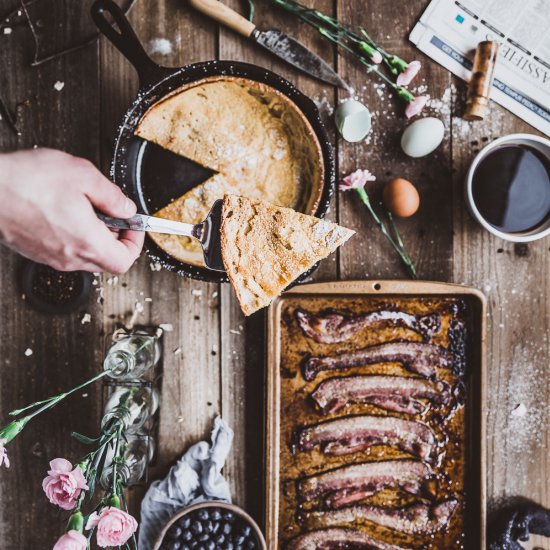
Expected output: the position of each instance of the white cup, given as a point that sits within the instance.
(540, 144)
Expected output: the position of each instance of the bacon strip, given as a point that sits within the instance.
(417, 357)
(351, 434)
(358, 481)
(416, 519)
(332, 327)
(338, 537)
(394, 393)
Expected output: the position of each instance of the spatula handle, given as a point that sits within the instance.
(224, 15)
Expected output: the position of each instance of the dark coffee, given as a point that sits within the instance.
(511, 188)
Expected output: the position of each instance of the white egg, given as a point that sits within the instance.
(353, 120)
(422, 137)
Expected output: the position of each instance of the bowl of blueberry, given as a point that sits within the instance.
(211, 526)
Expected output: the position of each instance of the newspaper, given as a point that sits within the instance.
(450, 30)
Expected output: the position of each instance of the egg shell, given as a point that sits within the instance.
(353, 120)
(422, 137)
(401, 198)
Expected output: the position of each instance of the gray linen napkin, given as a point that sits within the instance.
(196, 477)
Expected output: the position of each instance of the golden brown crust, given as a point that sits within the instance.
(253, 135)
(265, 247)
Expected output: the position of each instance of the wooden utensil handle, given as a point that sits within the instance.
(224, 15)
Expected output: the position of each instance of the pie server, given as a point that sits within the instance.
(277, 42)
(207, 232)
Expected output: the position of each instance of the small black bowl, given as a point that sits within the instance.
(54, 292)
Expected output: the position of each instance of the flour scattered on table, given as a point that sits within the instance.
(86, 318)
(58, 86)
(161, 46)
(28, 352)
(177, 351)
(112, 280)
(7, 30)
(196, 292)
(155, 266)
(167, 327)
(519, 410)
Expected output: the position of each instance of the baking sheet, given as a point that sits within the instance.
(289, 407)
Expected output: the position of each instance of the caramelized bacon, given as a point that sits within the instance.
(358, 481)
(394, 393)
(417, 357)
(416, 519)
(332, 327)
(336, 538)
(350, 434)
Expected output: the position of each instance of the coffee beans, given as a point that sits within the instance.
(210, 529)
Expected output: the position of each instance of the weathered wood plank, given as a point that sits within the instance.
(64, 351)
(515, 280)
(427, 235)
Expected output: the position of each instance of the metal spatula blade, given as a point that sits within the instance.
(208, 232)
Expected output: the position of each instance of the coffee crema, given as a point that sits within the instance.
(511, 188)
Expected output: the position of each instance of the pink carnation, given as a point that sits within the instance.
(407, 76)
(114, 526)
(73, 540)
(4, 460)
(415, 106)
(356, 180)
(62, 485)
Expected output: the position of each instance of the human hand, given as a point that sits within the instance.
(47, 201)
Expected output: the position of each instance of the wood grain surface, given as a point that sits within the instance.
(214, 358)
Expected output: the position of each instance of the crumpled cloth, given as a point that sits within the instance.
(515, 523)
(196, 477)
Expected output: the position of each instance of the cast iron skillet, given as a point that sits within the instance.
(131, 167)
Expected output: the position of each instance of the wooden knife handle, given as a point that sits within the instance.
(224, 15)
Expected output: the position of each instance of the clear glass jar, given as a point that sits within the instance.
(134, 404)
(131, 356)
(136, 454)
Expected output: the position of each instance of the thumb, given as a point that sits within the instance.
(109, 199)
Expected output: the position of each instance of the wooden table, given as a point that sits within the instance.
(220, 369)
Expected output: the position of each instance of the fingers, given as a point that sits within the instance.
(115, 253)
(106, 196)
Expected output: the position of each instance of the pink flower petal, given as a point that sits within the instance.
(415, 106)
(4, 460)
(356, 179)
(60, 465)
(93, 520)
(72, 540)
(407, 76)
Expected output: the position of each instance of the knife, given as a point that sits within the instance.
(277, 42)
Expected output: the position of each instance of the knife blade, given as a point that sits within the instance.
(294, 52)
(283, 46)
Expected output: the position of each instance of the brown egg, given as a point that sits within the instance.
(401, 198)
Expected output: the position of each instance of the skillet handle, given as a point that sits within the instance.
(122, 35)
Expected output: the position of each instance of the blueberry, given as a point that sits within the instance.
(216, 526)
(246, 530)
(220, 539)
(229, 546)
(207, 526)
(196, 527)
(204, 537)
(239, 540)
(227, 528)
(210, 545)
(250, 544)
(185, 522)
(185, 547)
(203, 514)
(175, 532)
(215, 515)
(228, 516)
(187, 536)
(176, 545)
(194, 544)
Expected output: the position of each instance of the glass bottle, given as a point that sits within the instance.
(137, 453)
(131, 356)
(134, 404)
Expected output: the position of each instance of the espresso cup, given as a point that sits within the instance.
(540, 144)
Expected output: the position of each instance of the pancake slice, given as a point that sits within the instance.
(265, 247)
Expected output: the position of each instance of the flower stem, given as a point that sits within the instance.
(399, 249)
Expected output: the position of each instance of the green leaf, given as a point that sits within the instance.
(84, 438)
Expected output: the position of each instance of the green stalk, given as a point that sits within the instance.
(402, 254)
